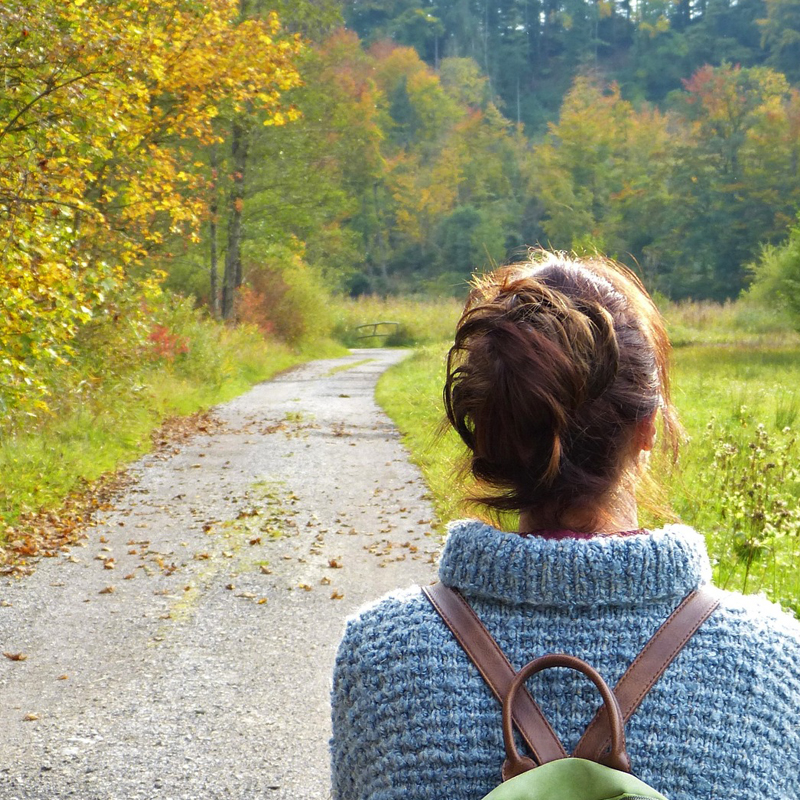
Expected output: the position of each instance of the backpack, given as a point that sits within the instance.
(599, 769)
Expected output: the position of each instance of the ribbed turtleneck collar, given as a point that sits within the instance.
(605, 570)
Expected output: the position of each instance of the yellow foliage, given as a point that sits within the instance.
(98, 107)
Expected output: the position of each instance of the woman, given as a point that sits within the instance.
(557, 374)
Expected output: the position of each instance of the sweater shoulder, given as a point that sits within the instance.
(388, 622)
(405, 604)
(754, 618)
(750, 640)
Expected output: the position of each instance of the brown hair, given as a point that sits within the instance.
(555, 361)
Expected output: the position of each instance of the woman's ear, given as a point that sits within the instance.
(646, 433)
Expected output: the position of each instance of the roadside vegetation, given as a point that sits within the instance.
(122, 382)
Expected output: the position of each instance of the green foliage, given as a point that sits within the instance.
(684, 197)
(780, 31)
(776, 275)
(404, 172)
(757, 487)
(101, 104)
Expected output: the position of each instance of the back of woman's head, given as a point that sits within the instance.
(557, 366)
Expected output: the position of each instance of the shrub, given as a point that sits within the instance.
(776, 275)
(282, 296)
(753, 474)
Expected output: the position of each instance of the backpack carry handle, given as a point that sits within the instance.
(515, 764)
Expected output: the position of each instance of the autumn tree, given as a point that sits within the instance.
(735, 173)
(312, 181)
(600, 173)
(101, 106)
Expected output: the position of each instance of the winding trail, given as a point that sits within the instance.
(185, 649)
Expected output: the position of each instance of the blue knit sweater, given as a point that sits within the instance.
(413, 719)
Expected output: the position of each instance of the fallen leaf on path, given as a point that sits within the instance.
(325, 581)
(265, 570)
(30, 717)
(15, 656)
(304, 586)
(334, 563)
(63, 677)
(107, 590)
(337, 595)
(261, 601)
(246, 595)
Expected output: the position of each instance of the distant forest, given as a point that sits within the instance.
(531, 51)
(664, 133)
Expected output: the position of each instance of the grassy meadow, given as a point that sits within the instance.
(736, 383)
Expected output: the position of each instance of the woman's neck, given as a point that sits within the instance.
(619, 513)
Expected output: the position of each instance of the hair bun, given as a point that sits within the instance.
(582, 330)
(554, 365)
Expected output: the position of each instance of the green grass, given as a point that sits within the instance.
(411, 394)
(737, 480)
(734, 323)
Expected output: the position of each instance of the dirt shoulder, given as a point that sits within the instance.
(183, 649)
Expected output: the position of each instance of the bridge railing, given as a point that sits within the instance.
(376, 330)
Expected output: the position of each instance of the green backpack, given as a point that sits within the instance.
(599, 769)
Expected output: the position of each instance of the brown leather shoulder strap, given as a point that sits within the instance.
(496, 670)
(649, 666)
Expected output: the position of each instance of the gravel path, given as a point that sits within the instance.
(185, 649)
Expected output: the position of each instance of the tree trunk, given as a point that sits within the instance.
(381, 241)
(233, 254)
(213, 210)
